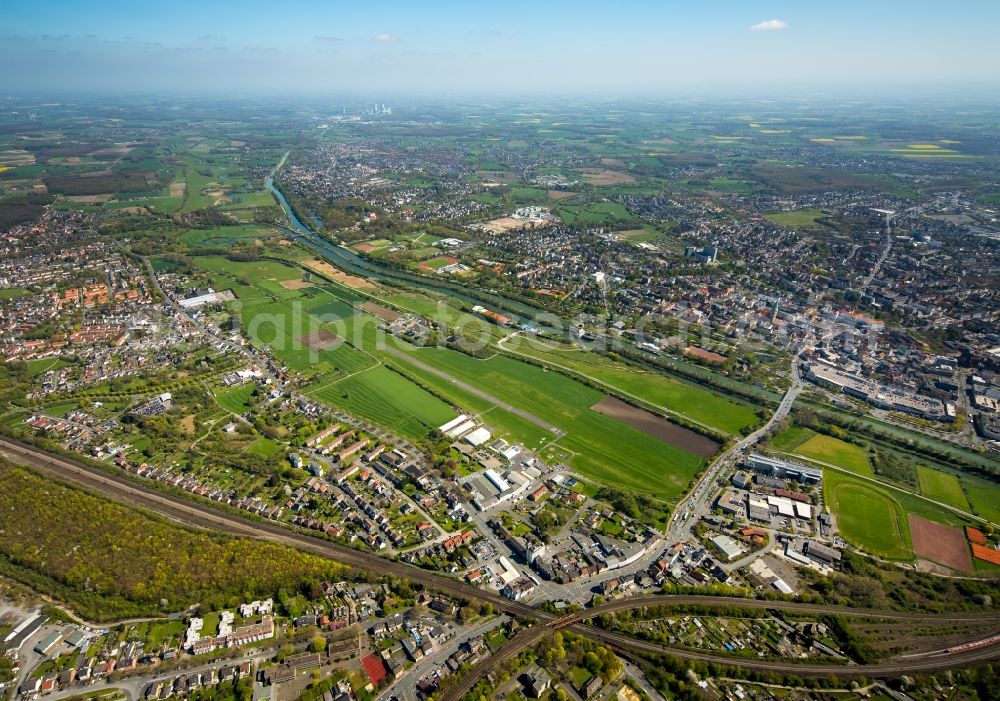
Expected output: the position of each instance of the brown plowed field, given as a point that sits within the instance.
(381, 312)
(657, 427)
(320, 340)
(706, 355)
(942, 544)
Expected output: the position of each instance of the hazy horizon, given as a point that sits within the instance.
(632, 48)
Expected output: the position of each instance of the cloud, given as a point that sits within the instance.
(769, 25)
(385, 37)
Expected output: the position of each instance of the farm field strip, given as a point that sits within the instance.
(805, 442)
(389, 400)
(945, 545)
(605, 449)
(984, 498)
(360, 383)
(674, 397)
(941, 486)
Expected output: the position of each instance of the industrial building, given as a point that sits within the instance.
(783, 469)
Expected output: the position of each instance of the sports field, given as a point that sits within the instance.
(438, 262)
(818, 446)
(235, 399)
(868, 516)
(942, 487)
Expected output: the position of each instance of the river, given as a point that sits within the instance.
(522, 314)
(350, 261)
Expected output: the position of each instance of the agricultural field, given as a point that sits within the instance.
(868, 516)
(984, 497)
(818, 446)
(925, 150)
(387, 399)
(245, 200)
(201, 186)
(698, 403)
(226, 236)
(592, 214)
(600, 447)
(290, 322)
(941, 486)
(939, 543)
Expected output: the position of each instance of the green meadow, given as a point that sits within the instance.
(868, 516)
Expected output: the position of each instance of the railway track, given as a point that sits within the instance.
(190, 513)
(926, 663)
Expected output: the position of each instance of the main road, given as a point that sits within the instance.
(697, 498)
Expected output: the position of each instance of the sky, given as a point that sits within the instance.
(621, 47)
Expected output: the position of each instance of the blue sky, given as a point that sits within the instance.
(501, 46)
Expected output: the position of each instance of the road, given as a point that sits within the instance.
(625, 644)
(405, 687)
(704, 490)
(686, 511)
(772, 538)
(882, 258)
(133, 687)
(636, 675)
(527, 637)
(893, 668)
(119, 487)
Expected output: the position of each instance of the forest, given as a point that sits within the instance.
(109, 561)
